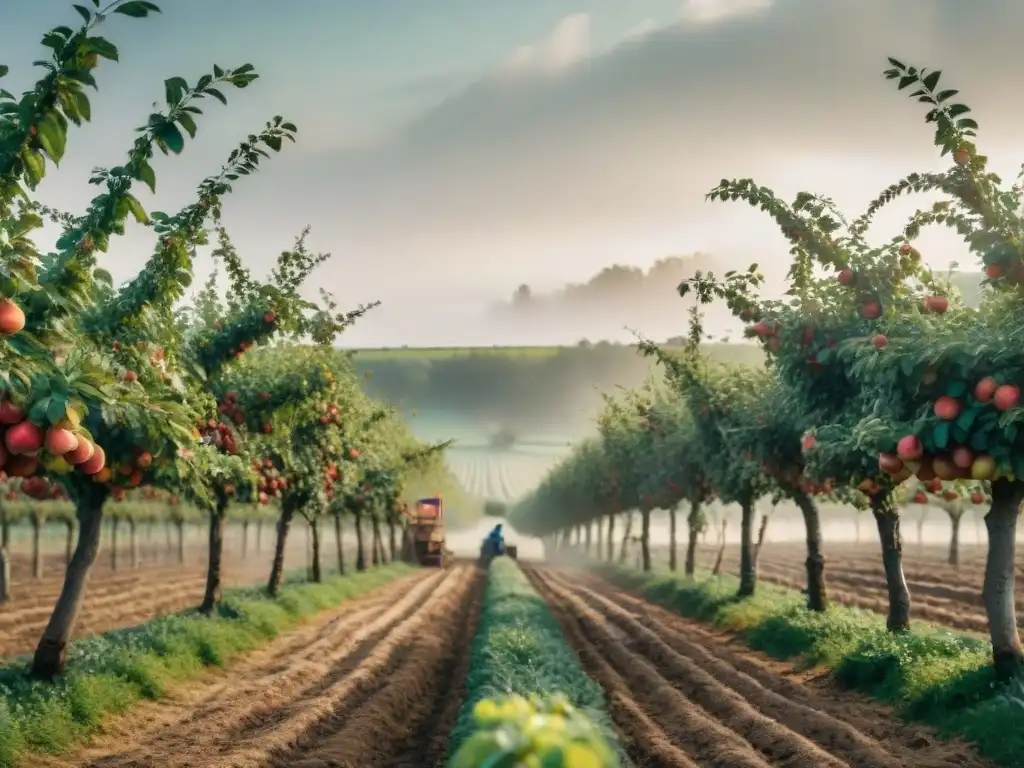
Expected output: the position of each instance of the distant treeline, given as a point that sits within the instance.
(520, 386)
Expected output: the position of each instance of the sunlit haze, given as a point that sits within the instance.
(451, 151)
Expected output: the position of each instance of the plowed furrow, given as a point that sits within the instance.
(782, 722)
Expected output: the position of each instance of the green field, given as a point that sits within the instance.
(737, 353)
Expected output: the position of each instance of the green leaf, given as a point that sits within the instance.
(137, 210)
(35, 167)
(147, 175)
(966, 418)
(138, 9)
(956, 388)
(932, 80)
(4, 69)
(823, 355)
(907, 365)
(940, 435)
(217, 95)
(168, 135)
(56, 409)
(979, 440)
(82, 105)
(102, 47)
(84, 12)
(52, 138)
(174, 90)
(185, 121)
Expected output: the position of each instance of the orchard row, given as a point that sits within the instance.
(880, 384)
(116, 392)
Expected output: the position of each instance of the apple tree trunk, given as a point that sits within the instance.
(998, 591)
(954, 537)
(695, 524)
(259, 536)
(245, 538)
(284, 524)
(887, 518)
(339, 543)
(37, 521)
(180, 530)
(588, 538)
(114, 525)
(5, 558)
(610, 541)
(599, 537)
(672, 555)
(625, 538)
(133, 543)
(69, 540)
(316, 573)
(748, 559)
(645, 539)
(375, 546)
(817, 593)
(51, 652)
(392, 540)
(214, 590)
(360, 543)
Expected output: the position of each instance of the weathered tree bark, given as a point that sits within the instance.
(133, 544)
(672, 555)
(817, 593)
(214, 590)
(69, 540)
(245, 538)
(625, 538)
(339, 543)
(170, 538)
(51, 651)
(645, 539)
(259, 536)
(284, 524)
(998, 591)
(748, 560)
(37, 521)
(887, 518)
(954, 537)
(360, 545)
(695, 525)
(610, 541)
(317, 572)
(114, 525)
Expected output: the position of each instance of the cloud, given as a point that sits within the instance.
(544, 180)
(568, 43)
(640, 30)
(707, 11)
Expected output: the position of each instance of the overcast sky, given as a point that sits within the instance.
(450, 150)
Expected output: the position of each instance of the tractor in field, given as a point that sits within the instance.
(494, 546)
(426, 537)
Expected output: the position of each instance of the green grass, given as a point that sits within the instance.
(933, 675)
(108, 673)
(519, 648)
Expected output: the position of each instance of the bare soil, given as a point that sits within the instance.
(942, 594)
(122, 598)
(376, 683)
(684, 695)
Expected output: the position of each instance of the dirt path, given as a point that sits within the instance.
(377, 683)
(684, 695)
(116, 599)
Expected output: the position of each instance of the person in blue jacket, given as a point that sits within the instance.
(496, 540)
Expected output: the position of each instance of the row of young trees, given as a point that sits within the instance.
(237, 399)
(879, 382)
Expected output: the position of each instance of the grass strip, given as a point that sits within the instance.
(109, 672)
(932, 675)
(519, 649)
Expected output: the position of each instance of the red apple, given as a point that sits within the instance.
(1006, 397)
(985, 389)
(947, 408)
(909, 448)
